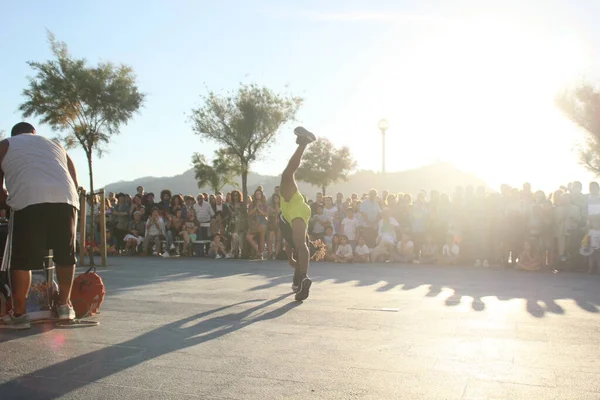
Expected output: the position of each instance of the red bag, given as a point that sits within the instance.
(88, 293)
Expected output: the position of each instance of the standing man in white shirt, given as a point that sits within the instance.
(41, 190)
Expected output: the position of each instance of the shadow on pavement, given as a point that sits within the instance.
(172, 337)
(539, 290)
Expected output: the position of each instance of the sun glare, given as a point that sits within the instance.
(480, 94)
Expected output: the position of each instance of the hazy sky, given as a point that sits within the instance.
(458, 80)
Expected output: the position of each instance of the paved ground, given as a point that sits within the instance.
(178, 329)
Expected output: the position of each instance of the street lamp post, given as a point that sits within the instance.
(383, 126)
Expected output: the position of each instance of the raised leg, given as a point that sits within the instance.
(288, 185)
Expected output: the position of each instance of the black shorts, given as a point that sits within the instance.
(39, 228)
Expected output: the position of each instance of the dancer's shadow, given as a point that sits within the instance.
(163, 340)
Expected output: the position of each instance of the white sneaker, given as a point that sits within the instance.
(166, 254)
(218, 257)
(486, 264)
(477, 263)
(66, 312)
(228, 256)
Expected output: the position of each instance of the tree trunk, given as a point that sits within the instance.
(92, 198)
(324, 189)
(245, 180)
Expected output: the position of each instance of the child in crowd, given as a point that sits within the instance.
(319, 222)
(350, 227)
(217, 248)
(429, 252)
(328, 238)
(362, 251)
(332, 249)
(450, 251)
(344, 252)
(405, 251)
(594, 244)
(530, 258)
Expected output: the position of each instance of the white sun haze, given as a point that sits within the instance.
(476, 92)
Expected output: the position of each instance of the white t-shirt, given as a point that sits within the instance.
(362, 250)
(344, 250)
(454, 250)
(349, 227)
(330, 213)
(595, 238)
(36, 171)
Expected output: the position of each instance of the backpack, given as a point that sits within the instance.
(88, 293)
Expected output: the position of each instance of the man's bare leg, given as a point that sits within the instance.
(64, 275)
(20, 282)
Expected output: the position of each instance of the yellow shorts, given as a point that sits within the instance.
(295, 208)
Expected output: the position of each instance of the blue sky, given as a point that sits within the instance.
(458, 81)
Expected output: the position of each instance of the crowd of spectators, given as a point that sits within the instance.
(472, 226)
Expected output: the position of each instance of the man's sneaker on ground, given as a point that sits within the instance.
(302, 293)
(66, 312)
(9, 321)
(218, 257)
(228, 255)
(486, 264)
(304, 136)
(166, 254)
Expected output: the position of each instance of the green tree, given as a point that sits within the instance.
(217, 174)
(85, 105)
(244, 122)
(323, 165)
(582, 106)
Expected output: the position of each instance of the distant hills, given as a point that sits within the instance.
(440, 176)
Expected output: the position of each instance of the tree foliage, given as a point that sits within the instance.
(244, 121)
(582, 106)
(85, 105)
(323, 165)
(218, 173)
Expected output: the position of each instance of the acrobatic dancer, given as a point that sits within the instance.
(295, 214)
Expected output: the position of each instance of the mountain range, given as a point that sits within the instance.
(443, 177)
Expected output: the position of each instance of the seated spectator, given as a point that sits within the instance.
(189, 232)
(344, 253)
(362, 252)
(174, 227)
(177, 204)
(319, 222)
(383, 251)
(450, 252)
(405, 251)
(135, 233)
(349, 227)
(387, 228)
(328, 238)
(530, 258)
(156, 231)
(217, 248)
(429, 252)
(332, 249)
(221, 217)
